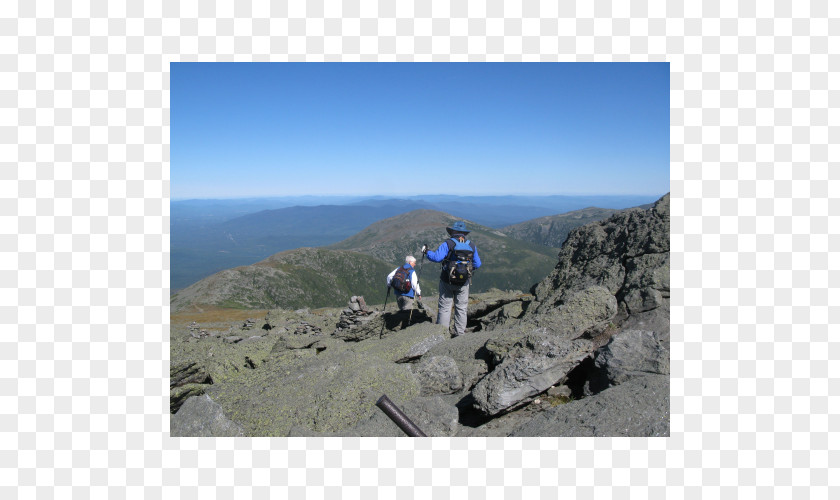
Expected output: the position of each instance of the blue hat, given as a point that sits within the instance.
(458, 227)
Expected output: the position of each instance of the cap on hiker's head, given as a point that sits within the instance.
(458, 227)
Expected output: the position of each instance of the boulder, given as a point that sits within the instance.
(534, 364)
(640, 407)
(201, 416)
(629, 354)
(585, 312)
(421, 348)
(438, 375)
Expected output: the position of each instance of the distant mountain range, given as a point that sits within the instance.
(327, 277)
(208, 236)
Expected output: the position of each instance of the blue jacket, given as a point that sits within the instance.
(443, 250)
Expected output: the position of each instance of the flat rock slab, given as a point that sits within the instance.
(324, 392)
(639, 407)
(422, 348)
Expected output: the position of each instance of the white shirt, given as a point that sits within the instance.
(414, 283)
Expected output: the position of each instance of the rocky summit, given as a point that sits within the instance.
(585, 352)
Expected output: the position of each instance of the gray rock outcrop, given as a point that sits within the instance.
(628, 254)
(629, 354)
(201, 416)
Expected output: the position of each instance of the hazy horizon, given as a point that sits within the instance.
(515, 195)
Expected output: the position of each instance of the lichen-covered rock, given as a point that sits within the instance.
(432, 415)
(326, 391)
(201, 416)
(638, 407)
(438, 375)
(647, 282)
(602, 254)
(212, 360)
(534, 364)
(179, 394)
(577, 313)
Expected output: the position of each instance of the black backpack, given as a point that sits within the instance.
(401, 282)
(458, 264)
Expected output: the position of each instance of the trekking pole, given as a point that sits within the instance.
(383, 311)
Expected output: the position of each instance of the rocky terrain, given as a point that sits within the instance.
(585, 353)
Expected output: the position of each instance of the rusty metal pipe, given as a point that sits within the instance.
(398, 417)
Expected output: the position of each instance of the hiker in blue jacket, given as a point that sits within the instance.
(459, 257)
(405, 300)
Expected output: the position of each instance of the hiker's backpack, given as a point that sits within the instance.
(401, 282)
(458, 264)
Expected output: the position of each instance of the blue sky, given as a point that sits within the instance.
(279, 129)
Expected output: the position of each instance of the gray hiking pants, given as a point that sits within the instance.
(460, 295)
(405, 302)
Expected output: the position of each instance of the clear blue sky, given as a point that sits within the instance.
(278, 129)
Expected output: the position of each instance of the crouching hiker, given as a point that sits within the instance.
(405, 284)
(459, 257)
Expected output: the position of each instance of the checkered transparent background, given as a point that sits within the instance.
(84, 237)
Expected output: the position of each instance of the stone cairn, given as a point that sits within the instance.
(196, 332)
(305, 328)
(356, 314)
